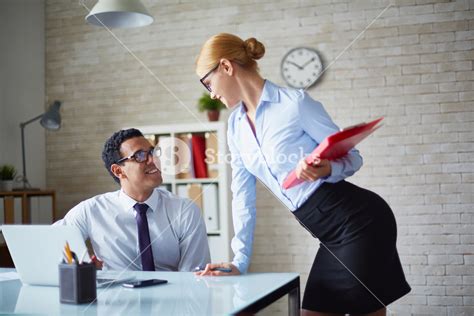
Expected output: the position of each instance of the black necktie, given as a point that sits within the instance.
(144, 237)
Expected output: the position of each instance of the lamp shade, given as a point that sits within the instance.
(51, 119)
(119, 14)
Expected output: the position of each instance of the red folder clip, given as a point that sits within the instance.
(335, 146)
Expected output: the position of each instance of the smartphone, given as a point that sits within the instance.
(144, 283)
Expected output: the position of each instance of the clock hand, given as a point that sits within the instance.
(290, 62)
(306, 63)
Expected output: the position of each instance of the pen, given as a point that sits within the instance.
(227, 270)
(74, 257)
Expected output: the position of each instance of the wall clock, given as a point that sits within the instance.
(301, 67)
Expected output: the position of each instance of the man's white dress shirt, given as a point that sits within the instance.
(177, 230)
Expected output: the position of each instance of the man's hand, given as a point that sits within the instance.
(98, 264)
(320, 169)
(210, 269)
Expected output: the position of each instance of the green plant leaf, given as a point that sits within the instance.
(206, 103)
(7, 172)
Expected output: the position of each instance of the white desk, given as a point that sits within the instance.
(185, 294)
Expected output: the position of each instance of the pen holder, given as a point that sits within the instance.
(77, 283)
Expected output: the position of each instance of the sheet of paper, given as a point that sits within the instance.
(7, 276)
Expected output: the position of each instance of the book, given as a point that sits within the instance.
(335, 146)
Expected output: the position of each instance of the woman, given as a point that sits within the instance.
(357, 269)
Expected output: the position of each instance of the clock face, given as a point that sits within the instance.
(301, 67)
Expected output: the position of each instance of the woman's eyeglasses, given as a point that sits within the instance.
(142, 155)
(207, 75)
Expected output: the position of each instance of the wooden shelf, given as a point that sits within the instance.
(8, 204)
(27, 193)
(9, 214)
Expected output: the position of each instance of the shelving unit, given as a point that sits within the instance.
(8, 199)
(219, 239)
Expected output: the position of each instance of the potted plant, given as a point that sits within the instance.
(7, 174)
(212, 106)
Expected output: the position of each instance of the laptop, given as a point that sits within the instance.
(37, 250)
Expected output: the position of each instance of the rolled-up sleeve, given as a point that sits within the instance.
(243, 208)
(317, 123)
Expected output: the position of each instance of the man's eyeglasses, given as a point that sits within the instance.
(207, 75)
(142, 155)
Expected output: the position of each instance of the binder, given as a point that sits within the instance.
(199, 155)
(182, 191)
(184, 167)
(212, 155)
(192, 191)
(335, 146)
(195, 194)
(167, 158)
(210, 207)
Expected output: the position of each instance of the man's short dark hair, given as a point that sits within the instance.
(111, 152)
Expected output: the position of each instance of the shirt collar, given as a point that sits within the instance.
(127, 202)
(269, 94)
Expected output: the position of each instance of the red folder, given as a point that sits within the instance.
(335, 146)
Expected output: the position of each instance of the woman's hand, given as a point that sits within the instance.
(210, 269)
(320, 169)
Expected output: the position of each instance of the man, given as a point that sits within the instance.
(140, 226)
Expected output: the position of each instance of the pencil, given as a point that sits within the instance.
(68, 253)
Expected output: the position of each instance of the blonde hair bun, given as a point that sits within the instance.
(254, 48)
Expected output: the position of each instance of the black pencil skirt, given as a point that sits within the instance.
(357, 269)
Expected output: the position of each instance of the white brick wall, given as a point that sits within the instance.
(414, 66)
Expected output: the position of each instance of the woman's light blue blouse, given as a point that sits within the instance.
(289, 124)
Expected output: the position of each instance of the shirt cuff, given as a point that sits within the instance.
(336, 170)
(241, 266)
